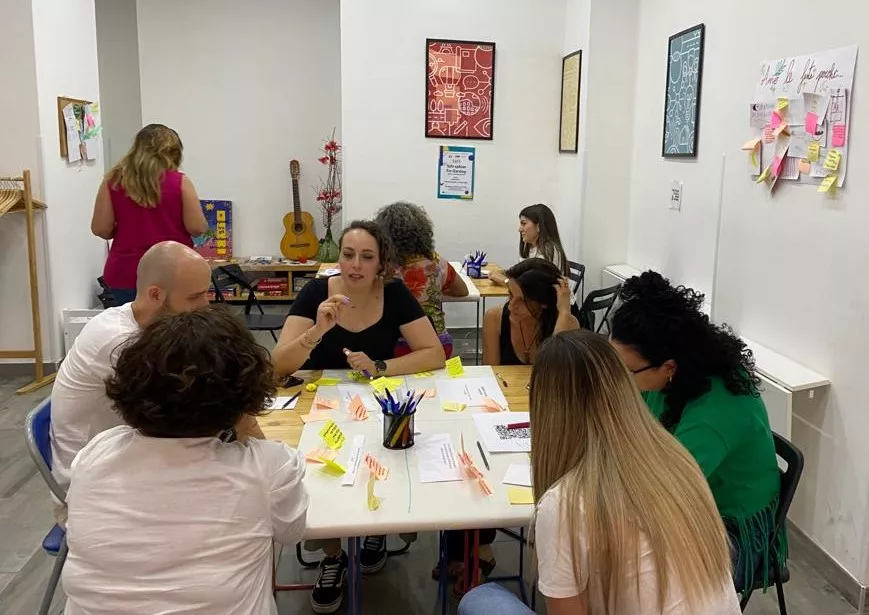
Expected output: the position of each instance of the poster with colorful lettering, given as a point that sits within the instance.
(456, 172)
(216, 242)
(459, 89)
(818, 87)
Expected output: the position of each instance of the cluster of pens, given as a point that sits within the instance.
(474, 264)
(398, 418)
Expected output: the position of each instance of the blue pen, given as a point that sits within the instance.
(391, 400)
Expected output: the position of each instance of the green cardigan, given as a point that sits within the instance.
(730, 438)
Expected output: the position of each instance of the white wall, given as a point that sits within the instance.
(792, 265)
(569, 167)
(387, 157)
(120, 94)
(19, 150)
(65, 44)
(249, 86)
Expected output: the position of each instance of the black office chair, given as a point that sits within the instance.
(577, 276)
(597, 300)
(790, 478)
(233, 274)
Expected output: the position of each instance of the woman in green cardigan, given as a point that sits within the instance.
(699, 380)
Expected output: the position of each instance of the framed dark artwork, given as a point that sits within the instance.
(682, 93)
(459, 89)
(568, 126)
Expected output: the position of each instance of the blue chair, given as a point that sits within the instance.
(37, 428)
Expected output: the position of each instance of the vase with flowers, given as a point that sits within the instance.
(329, 198)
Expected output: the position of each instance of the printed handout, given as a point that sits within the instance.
(471, 391)
(436, 459)
(497, 437)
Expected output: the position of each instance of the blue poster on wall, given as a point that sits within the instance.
(456, 172)
(682, 102)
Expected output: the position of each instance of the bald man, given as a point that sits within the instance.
(172, 278)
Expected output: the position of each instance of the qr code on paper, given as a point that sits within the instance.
(512, 434)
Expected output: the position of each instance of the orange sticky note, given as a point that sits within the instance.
(751, 144)
(484, 486)
(357, 409)
(318, 454)
(780, 129)
(322, 402)
(315, 416)
(429, 393)
(805, 166)
(491, 405)
(374, 466)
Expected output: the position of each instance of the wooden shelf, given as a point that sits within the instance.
(268, 299)
(273, 267)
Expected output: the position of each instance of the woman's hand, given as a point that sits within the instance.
(360, 362)
(328, 313)
(562, 296)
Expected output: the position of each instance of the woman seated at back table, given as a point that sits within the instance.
(624, 522)
(426, 273)
(355, 319)
(539, 307)
(165, 517)
(538, 238)
(699, 380)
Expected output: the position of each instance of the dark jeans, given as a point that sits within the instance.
(123, 295)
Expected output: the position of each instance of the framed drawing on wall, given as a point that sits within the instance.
(682, 92)
(568, 127)
(459, 89)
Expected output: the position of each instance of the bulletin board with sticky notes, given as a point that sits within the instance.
(799, 120)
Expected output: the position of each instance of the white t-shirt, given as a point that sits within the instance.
(79, 406)
(557, 578)
(179, 525)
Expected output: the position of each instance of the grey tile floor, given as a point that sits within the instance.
(403, 587)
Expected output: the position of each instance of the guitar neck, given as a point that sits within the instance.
(297, 205)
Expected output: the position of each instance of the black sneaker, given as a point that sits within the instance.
(373, 555)
(329, 589)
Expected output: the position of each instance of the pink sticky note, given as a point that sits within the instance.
(776, 165)
(322, 402)
(811, 122)
(768, 136)
(491, 405)
(838, 135)
(775, 120)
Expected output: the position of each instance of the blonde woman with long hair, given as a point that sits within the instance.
(142, 201)
(625, 523)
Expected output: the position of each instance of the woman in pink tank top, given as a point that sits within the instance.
(142, 201)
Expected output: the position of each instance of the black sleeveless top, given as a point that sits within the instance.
(508, 354)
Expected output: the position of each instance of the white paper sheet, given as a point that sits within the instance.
(436, 459)
(348, 391)
(492, 427)
(278, 403)
(470, 391)
(518, 474)
(73, 143)
(355, 459)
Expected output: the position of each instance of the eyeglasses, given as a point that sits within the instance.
(644, 369)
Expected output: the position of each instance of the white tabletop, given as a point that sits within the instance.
(473, 295)
(783, 371)
(406, 505)
(428, 409)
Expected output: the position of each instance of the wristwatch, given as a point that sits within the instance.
(380, 366)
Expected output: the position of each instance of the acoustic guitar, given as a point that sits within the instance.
(299, 241)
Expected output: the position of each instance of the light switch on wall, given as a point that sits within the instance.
(676, 196)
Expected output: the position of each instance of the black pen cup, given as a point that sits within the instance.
(398, 430)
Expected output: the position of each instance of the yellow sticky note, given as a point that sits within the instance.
(763, 176)
(326, 382)
(829, 184)
(454, 367)
(332, 466)
(451, 406)
(814, 152)
(358, 376)
(781, 104)
(381, 384)
(520, 495)
(831, 162)
(423, 375)
(752, 144)
(332, 435)
(373, 500)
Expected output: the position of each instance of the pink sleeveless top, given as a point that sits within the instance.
(138, 228)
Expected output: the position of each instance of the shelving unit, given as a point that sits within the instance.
(290, 271)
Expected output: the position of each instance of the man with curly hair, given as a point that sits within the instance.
(172, 278)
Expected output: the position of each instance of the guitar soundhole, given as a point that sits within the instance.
(298, 229)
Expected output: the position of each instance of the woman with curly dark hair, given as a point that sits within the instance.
(699, 380)
(164, 516)
(427, 274)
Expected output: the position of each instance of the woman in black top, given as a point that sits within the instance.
(355, 319)
(539, 307)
